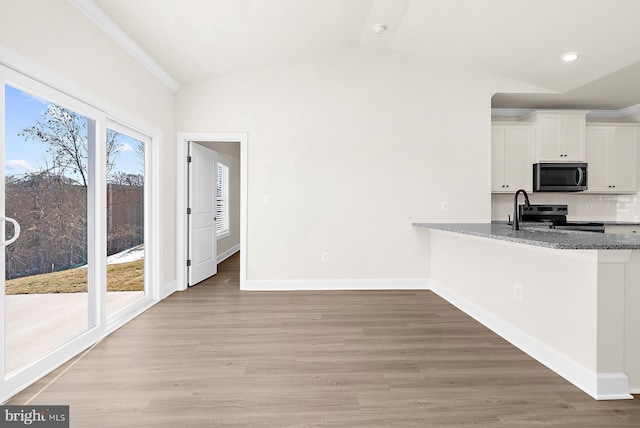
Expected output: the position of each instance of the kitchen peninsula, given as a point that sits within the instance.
(567, 298)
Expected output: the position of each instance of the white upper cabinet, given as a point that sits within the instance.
(560, 135)
(511, 157)
(612, 153)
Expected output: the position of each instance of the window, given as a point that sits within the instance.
(222, 199)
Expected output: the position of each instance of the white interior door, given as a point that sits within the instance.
(202, 220)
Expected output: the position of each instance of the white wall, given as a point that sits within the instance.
(352, 147)
(559, 304)
(632, 322)
(57, 37)
(576, 315)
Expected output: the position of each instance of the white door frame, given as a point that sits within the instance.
(182, 199)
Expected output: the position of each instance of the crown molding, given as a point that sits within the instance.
(96, 15)
(511, 111)
(592, 113)
(616, 113)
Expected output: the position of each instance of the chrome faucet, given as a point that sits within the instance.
(516, 216)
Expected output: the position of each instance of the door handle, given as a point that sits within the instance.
(580, 176)
(16, 231)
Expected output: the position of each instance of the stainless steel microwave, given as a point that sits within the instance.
(560, 177)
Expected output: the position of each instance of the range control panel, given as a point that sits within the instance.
(543, 212)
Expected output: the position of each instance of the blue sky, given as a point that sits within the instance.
(23, 110)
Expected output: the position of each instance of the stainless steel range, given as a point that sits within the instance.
(556, 214)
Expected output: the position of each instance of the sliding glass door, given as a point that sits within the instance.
(126, 154)
(46, 178)
(74, 224)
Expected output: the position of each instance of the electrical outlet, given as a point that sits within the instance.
(325, 256)
(444, 206)
(267, 199)
(518, 292)
(589, 207)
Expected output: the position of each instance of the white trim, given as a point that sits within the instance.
(511, 111)
(230, 252)
(128, 313)
(168, 290)
(223, 235)
(337, 284)
(606, 113)
(95, 14)
(520, 112)
(603, 386)
(612, 385)
(630, 110)
(183, 139)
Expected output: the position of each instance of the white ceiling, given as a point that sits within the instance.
(521, 39)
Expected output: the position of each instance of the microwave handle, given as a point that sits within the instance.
(580, 176)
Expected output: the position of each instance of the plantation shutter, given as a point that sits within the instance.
(222, 199)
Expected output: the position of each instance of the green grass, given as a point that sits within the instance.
(120, 277)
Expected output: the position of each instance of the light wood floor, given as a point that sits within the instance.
(213, 356)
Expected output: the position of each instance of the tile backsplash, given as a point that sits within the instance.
(582, 206)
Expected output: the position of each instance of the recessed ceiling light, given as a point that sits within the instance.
(379, 28)
(570, 56)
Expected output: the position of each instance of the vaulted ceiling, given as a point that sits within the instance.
(523, 40)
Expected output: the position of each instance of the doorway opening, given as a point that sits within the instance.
(212, 140)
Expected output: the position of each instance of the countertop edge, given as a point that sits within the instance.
(557, 239)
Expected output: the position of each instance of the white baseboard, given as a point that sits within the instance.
(168, 289)
(336, 284)
(613, 386)
(230, 252)
(634, 391)
(603, 386)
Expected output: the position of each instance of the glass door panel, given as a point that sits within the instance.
(125, 220)
(46, 182)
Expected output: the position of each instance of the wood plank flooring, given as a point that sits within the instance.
(213, 356)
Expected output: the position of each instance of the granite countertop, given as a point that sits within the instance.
(539, 235)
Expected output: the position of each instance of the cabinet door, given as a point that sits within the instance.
(572, 140)
(623, 155)
(597, 141)
(518, 169)
(497, 159)
(549, 128)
